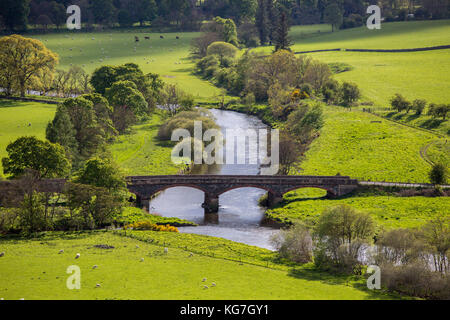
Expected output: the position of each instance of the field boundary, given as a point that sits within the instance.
(380, 50)
(30, 100)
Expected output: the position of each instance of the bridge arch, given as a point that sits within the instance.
(260, 187)
(165, 187)
(329, 190)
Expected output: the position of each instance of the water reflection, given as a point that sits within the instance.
(239, 215)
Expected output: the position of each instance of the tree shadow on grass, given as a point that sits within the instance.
(52, 235)
(432, 123)
(356, 282)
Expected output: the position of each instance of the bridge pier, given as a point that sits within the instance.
(273, 199)
(211, 203)
(142, 203)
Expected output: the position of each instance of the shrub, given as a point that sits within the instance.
(399, 103)
(419, 105)
(438, 174)
(148, 225)
(294, 244)
(341, 235)
(349, 94)
(222, 50)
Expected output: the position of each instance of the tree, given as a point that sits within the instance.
(47, 159)
(281, 33)
(305, 121)
(262, 23)
(103, 174)
(103, 112)
(294, 243)
(438, 174)
(349, 93)
(333, 16)
(27, 58)
(89, 135)
(419, 105)
(399, 103)
(15, 14)
(227, 28)
(62, 132)
(128, 104)
(103, 11)
(341, 234)
(175, 100)
(439, 110)
(222, 49)
(290, 152)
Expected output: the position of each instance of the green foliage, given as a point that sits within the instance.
(439, 174)
(46, 158)
(103, 174)
(227, 28)
(222, 49)
(333, 15)
(349, 94)
(341, 236)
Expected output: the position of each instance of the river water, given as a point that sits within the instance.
(239, 214)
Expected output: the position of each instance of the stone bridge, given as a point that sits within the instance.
(214, 185)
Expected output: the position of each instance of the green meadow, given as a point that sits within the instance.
(168, 57)
(22, 119)
(379, 75)
(388, 210)
(367, 147)
(141, 153)
(36, 270)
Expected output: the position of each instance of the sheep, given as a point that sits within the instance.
(137, 247)
(213, 284)
(191, 254)
(204, 279)
(166, 250)
(142, 259)
(61, 251)
(205, 287)
(98, 285)
(94, 267)
(2, 254)
(77, 256)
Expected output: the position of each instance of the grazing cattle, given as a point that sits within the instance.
(136, 39)
(147, 38)
(161, 37)
(178, 38)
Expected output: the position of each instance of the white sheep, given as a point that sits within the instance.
(204, 279)
(137, 247)
(166, 250)
(205, 287)
(98, 285)
(142, 259)
(61, 251)
(191, 254)
(213, 284)
(77, 256)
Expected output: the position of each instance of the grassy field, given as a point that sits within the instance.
(167, 57)
(416, 75)
(387, 210)
(141, 153)
(22, 119)
(33, 269)
(351, 143)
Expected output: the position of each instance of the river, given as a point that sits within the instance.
(239, 214)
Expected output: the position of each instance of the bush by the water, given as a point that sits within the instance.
(147, 225)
